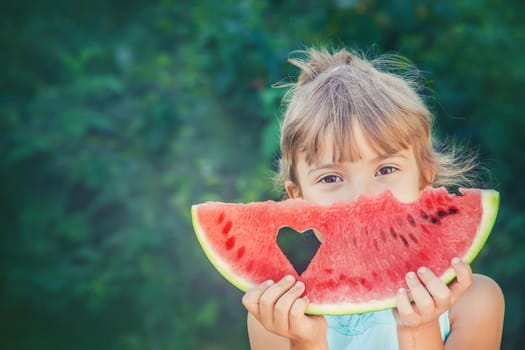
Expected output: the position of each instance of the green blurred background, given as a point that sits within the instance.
(116, 116)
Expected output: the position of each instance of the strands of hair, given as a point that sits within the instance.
(336, 89)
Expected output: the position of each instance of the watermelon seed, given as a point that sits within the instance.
(240, 252)
(434, 220)
(230, 243)
(452, 210)
(411, 220)
(363, 282)
(220, 219)
(424, 228)
(413, 238)
(393, 233)
(404, 240)
(442, 213)
(424, 215)
(227, 227)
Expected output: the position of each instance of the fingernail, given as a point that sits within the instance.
(411, 276)
(455, 261)
(268, 283)
(289, 278)
(299, 284)
(401, 291)
(422, 270)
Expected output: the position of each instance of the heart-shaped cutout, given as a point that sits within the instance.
(299, 248)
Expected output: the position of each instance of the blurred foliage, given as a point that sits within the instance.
(116, 116)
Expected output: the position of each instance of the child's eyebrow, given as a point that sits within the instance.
(384, 156)
(322, 166)
(379, 158)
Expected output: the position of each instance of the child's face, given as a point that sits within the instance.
(326, 182)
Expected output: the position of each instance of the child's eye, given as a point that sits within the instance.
(328, 179)
(386, 170)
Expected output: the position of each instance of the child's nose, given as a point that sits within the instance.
(356, 189)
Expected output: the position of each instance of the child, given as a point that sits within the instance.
(351, 129)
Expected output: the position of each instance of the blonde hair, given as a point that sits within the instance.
(336, 89)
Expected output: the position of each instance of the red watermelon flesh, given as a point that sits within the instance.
(367, 247)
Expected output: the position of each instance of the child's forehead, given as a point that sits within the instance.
(354, 144)
(329, 154)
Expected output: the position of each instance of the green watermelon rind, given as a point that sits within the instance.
(490, 205)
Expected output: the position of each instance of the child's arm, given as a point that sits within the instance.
(276, 318)
(476, 312)
(260, 338)
(477, 317)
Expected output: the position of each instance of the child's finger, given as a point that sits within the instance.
(404, 313)
(284, 304)
(437, 289)
(464, 279)
(422, 299)
(251, 298)
(305, 327)
(270, 297)
(297, 316)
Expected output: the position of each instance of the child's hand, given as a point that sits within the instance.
(280, 309)
(431, 297)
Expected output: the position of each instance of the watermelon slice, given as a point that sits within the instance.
(367, 246)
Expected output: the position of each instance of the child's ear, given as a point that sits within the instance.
(429, 174)
(293, 190)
